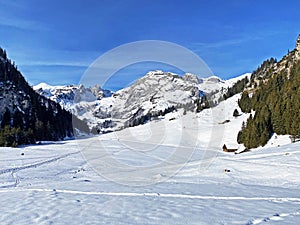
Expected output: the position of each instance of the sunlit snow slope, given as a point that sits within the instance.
(53, 183)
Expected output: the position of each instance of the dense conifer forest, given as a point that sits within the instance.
(25, 116)
(275, 103)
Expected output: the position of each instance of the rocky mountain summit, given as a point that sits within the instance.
(65, 95)
(148, 98)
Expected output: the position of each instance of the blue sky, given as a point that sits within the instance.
(55, 41)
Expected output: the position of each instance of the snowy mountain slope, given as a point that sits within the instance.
(215, 83)
(215, 87)
(157, 93)
(64, 95)
(154, 94)
(53, 183)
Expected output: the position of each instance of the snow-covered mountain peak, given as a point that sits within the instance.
(67, 95)
(191, 78)
(213, 79)
(43, 86)
(155, 72)
(153, 95)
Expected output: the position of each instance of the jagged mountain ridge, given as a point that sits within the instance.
(64, 95)
(153, 95)
(149, 97)
(271, 67)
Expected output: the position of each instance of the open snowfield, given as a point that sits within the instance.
(164, 172)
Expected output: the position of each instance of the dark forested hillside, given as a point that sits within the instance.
(275, 100)
(25, 116)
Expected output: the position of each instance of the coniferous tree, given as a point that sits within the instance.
(6, 119)
(18, 120)
(29, 117)
(277, 107)
(236, 113)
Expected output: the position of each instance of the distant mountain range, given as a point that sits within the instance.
(65, 95)
(270, 95)
(150, 97)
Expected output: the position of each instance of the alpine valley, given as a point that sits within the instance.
(242, 136)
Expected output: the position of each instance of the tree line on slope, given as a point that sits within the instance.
(29, 117)
(276, 103)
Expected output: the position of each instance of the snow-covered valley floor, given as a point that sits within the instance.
(53, 183)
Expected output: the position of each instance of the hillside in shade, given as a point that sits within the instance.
(26, 116)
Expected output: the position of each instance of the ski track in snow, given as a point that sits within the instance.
(35, 165)
(161, 195)
(275, 217)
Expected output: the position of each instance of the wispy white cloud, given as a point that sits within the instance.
(55, 63)
(12, 14)
(222, 43)
(199, 46)
(24, 24)
(49, 57)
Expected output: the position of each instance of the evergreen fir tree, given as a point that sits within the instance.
(236, 113)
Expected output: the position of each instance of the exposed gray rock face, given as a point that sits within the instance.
(298, 47)
(153, 95)
(65, 95)
(191, 78)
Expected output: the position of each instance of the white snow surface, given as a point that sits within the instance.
(52, 183)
